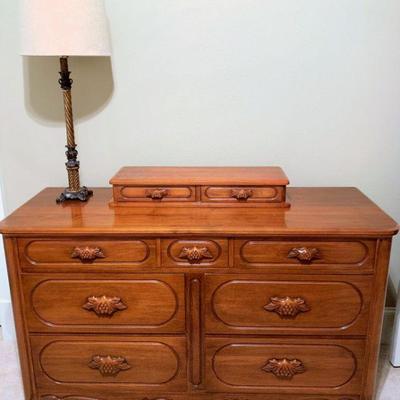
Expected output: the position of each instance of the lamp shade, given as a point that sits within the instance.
(64, 28)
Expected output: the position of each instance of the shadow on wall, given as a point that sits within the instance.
(91, 91)
(391, 294)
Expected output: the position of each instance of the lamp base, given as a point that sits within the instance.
(82, 194)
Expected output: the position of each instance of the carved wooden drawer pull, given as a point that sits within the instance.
(87, 254)
(287, 307)
(109, 365)
(104, 306)
(242, 194)
(195, 254)
(157, 194)
(304, 254)
(284, 368)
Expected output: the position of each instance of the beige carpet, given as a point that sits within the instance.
(11, 386)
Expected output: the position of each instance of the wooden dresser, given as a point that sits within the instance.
(242, 302)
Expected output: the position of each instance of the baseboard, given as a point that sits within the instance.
(6, 321)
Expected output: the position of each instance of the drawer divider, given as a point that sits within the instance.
(195, 331)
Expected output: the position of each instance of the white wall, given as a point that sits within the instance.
(6, 317)
(4, 288)
(311, 85)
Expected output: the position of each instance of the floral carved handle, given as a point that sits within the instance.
(242, 194)
(287, 307)
(284, 368)
(157, 194)
(109, 365)
(195, 254)
(104, 306)
(304, 254)
(87, 254)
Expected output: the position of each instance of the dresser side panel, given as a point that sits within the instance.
(10, 245)
(376, 318)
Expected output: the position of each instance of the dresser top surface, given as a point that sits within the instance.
(200, 176)
(313, 211)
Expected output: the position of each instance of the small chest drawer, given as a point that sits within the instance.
(81, 252)
(194, 253)
(243, 194)
(109, 364)
(154, 194)
(307, 255)
(251, 304)
(284, 365)
(143, 303)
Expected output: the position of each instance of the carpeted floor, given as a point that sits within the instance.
(11, 386)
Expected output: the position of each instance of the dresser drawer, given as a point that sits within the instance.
(87, 394)
(194, 253)
(357, 255)
(271, 304)
(143, 303)
(243, 194)
(154, 193)
(109, 363)
(273, 396)
(284, 365)
(79, 252)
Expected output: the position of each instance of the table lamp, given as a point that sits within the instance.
(66, 28)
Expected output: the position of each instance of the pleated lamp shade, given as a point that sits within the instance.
(64, 28)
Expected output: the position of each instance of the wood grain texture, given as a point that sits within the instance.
(65, 362)
(195, 332)
(350, 254)
(200, 176)
(243, 194)
(154, 303)
(238, 364)
(197, 396)
(52, 252)
(336, 305)
(153, 194)
(314, 211)
(18, 304)
(376, 319)
(193, 303)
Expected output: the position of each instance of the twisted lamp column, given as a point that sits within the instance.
(74, 191)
